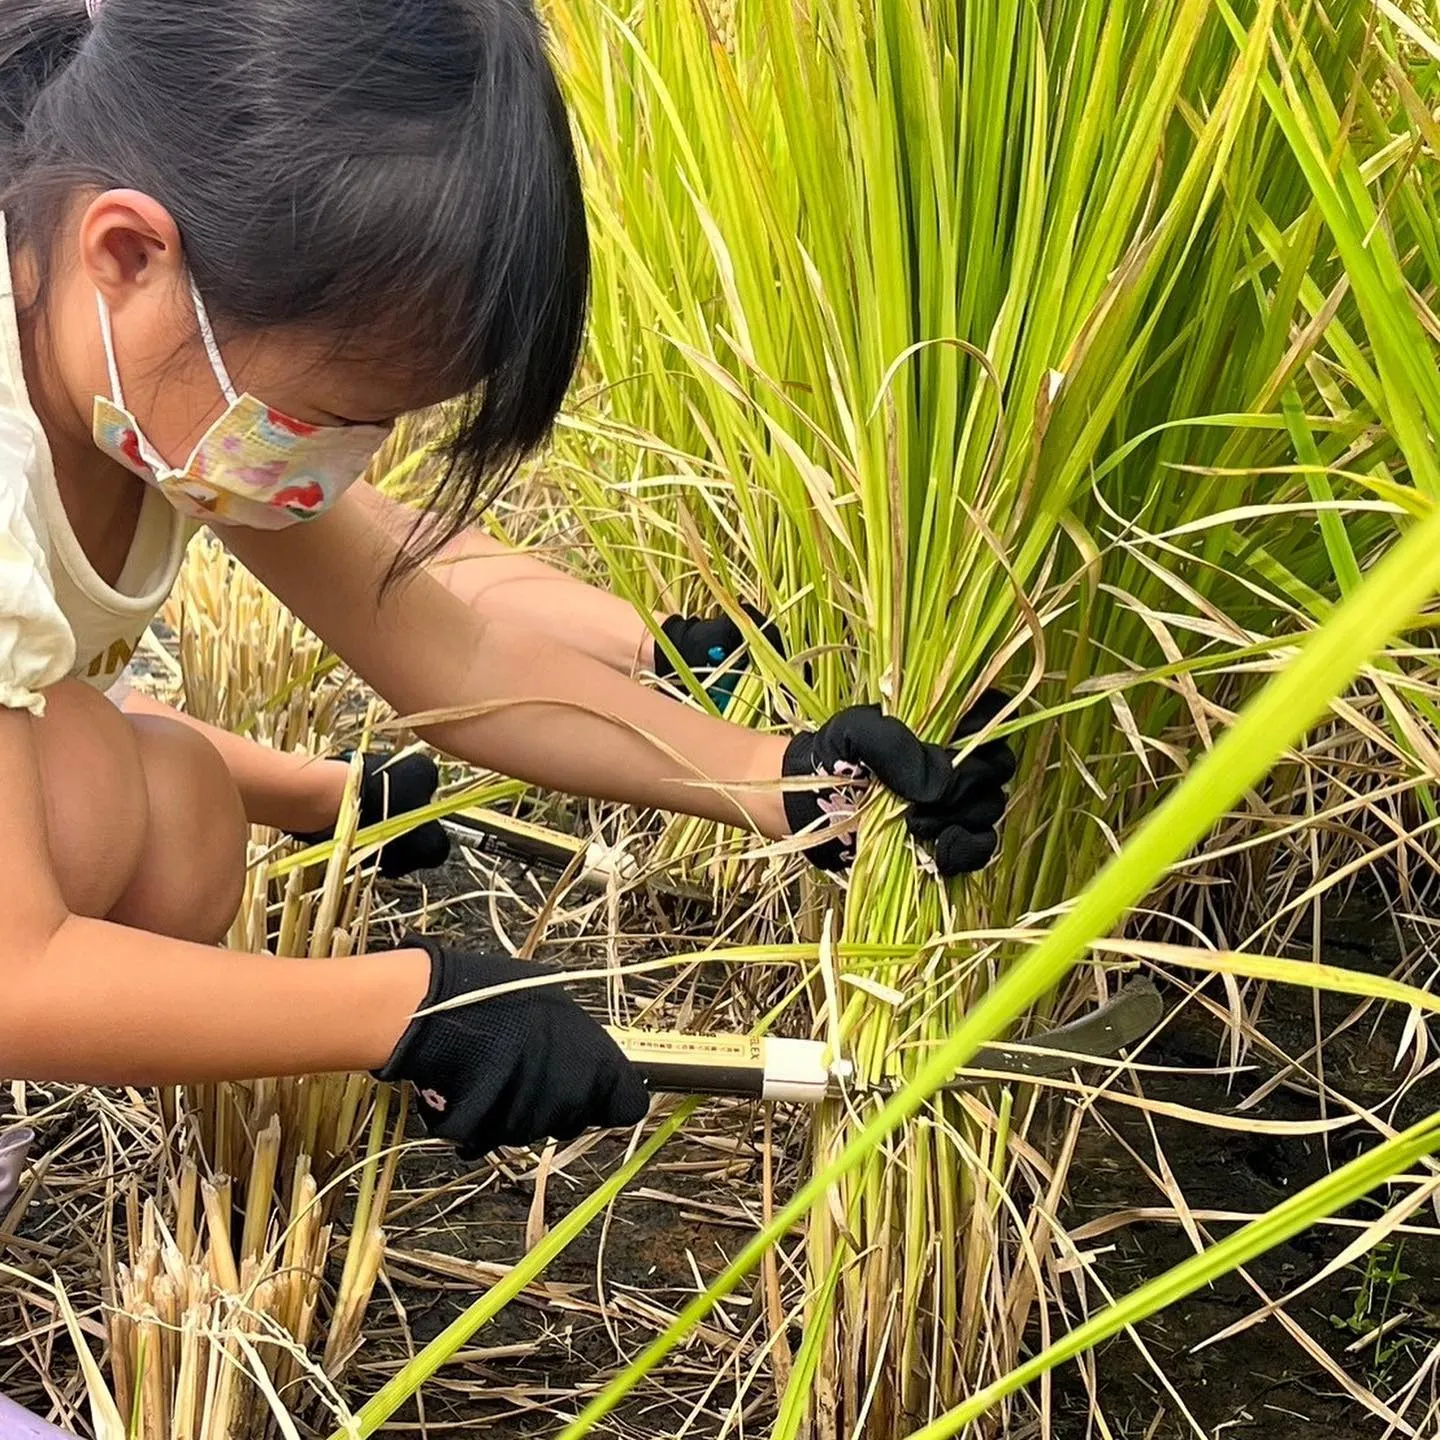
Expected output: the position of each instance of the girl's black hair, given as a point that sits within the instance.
(399, 172)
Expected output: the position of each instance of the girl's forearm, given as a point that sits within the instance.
(517, 589)
(562, 720)
(104, 1005)
(507, 585)
(650, 751)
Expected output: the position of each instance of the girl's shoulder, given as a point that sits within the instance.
(37, 645)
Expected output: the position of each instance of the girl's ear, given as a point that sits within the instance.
(129, 246)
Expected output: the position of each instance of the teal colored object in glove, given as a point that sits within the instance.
(722, 688)
(706, 643)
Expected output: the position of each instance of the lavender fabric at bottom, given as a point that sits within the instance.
(18, 1424)
(14, 1148)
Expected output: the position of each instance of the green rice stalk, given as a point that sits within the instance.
(1398, 587)
(878, 303)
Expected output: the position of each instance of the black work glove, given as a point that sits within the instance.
(705, 643)
(953, 809)
(512, 1069)
(396, 787)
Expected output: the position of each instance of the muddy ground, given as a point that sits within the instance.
(1261, 1382)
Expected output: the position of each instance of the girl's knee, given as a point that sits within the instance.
(144, 824)
(192, 873)
(96, 805)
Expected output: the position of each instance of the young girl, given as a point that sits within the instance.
(242, 240)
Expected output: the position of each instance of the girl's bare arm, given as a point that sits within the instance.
(514, 588)
(90, 1002)
(544, 712)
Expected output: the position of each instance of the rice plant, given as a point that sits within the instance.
(1404, 583)
(983, 342)
(216, 1330)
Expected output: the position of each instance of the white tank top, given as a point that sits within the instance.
(58, 618)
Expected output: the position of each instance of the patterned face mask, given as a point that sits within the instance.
(254, 466)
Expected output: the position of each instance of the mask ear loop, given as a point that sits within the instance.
(212, 349)
(207, 335)
(107, 336)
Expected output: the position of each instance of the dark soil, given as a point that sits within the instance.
(563, 1351)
